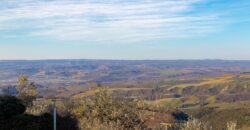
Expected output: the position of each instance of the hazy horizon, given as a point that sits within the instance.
(127, 59)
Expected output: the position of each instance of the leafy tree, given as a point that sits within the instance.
(26, 90)
(23, 82)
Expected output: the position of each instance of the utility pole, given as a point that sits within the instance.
(54, 113)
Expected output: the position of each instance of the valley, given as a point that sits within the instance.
(209, 90)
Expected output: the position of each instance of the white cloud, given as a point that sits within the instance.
(107, 21)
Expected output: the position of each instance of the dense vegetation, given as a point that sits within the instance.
(100, 113)
(181, 99)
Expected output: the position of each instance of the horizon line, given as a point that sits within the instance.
(107, 59)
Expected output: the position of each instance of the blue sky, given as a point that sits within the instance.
(125, 29)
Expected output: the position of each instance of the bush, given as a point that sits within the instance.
(195, 124)
(180, 116)
(104, 112)
(10, 106)
(231, 125)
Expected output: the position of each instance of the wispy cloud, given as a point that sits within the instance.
(107, 21)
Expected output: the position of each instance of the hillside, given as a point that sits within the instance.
(185, 92)
(212, 91)
(64, 73)
(216, 100)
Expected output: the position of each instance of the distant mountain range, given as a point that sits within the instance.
(54, 73)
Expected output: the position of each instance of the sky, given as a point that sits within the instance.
(125, 29)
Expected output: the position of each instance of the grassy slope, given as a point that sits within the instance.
(222, 111)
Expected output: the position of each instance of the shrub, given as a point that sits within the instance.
(10, 106)
(195, 124)
(106, 113)
(231, 125)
